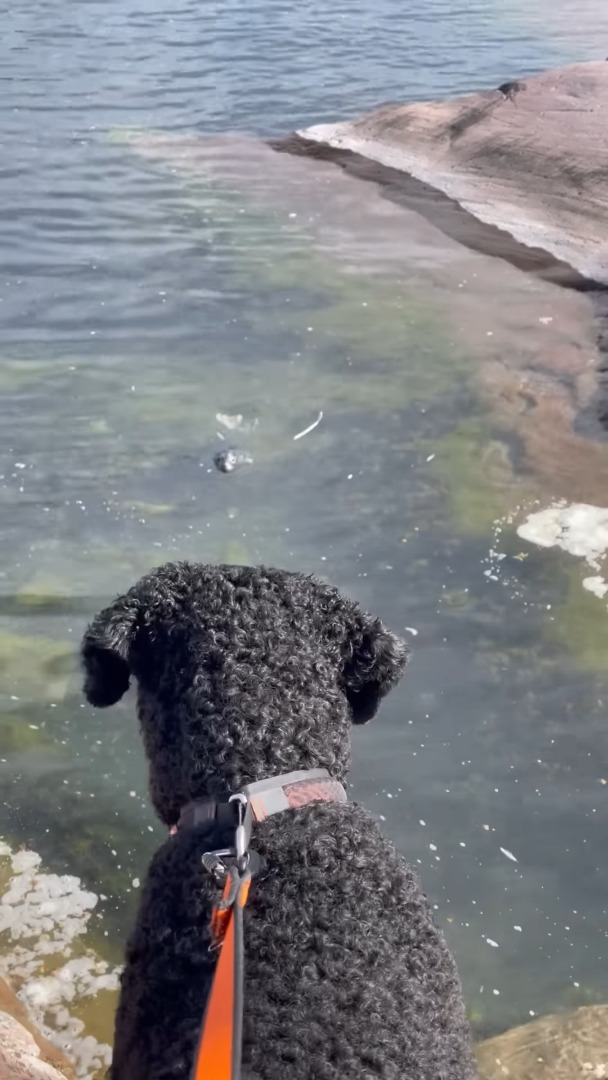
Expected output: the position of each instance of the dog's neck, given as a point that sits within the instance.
(267, 797)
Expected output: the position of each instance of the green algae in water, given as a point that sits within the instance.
(285, 388)
(323, 336)
(477, 476)
(18, 373)
(235, 554)
(334, 338)
(18, 735)
(394, 340)
(395, 337)
(458, 599)
(43, 591)
(34, 667)
(150, 509)
(377, 330)
(580, 623)
(83, 844)
(97, 1013)
(383, 324)
(75, 579)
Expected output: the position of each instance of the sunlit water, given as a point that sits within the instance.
(145, 287)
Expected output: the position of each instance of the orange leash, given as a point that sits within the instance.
(218, 1055)
(219, 1051)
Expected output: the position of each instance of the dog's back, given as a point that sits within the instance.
(346, 973)
(244, 675)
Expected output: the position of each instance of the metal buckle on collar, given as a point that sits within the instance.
(220, 861)
(257, 801)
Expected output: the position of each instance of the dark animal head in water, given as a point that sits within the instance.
(243, 673)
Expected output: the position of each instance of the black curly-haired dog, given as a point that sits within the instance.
(245, 674)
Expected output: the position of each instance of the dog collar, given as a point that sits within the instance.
(265, 798)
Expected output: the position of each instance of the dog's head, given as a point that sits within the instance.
(242, 673)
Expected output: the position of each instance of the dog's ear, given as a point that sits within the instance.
(105, 652)
(375, 662)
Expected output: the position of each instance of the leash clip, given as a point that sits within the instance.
(220, 861)
(214, 862)
(241, 838)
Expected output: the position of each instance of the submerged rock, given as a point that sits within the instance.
(529, 156)
(564, 1046)
(388, 280)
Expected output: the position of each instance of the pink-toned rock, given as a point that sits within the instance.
(20, 1054)
(563, 1046)
(530, 157)
(24, 1053)
(543, 414)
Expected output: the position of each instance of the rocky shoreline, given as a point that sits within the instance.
(57, 994)
(515, 172)
(24, 1053)
(528, 157)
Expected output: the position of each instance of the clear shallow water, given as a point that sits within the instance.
(144, 289)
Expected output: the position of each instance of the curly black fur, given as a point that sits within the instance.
(244, 674)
